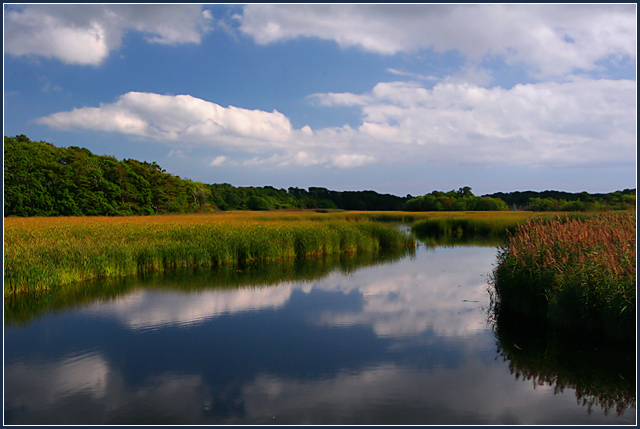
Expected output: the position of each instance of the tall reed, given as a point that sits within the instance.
(459, 225)
(41, 253)
(571, 273)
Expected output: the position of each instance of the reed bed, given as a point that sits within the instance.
(458, 225)
(43, 253)
(571, 273)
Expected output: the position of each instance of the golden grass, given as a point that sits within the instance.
(41, 253)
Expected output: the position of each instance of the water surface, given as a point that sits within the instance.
(401, 342)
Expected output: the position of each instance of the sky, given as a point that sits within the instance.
(395, 98)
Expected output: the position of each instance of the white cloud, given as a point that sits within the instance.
(206, 14)
(186, 121)
(551, 39)
(179, 118)
(218, 161)
(412, 75)
(339, 99)
(352, 160)
(86, 34)
(578, 122)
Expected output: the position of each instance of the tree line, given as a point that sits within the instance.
(460, 200)
(568, 201)
(41, 179)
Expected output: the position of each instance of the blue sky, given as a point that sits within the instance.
(400, 99)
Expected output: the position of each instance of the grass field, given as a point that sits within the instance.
(42, 253)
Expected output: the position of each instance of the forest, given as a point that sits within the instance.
(41, 179)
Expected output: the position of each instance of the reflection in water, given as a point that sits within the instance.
(22, 309)
(85, 373)
(602, 374)
(303, 343)
(147, 309)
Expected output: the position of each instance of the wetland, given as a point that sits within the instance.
(402, 336)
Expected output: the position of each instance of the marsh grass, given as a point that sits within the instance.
(575, 273)
(43, 253)
(466, 225)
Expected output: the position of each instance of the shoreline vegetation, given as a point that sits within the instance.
(45, 253)
(42, 253)
(571, 273)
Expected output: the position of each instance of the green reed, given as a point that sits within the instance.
(465, 225)
(42, 253)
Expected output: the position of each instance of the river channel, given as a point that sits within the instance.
(401, 340)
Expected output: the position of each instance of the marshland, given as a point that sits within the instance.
(241, 315)
(132, 296)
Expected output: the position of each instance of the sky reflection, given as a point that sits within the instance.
(401, 343)
(445, 296)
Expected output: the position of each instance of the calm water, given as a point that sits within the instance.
(401, 342)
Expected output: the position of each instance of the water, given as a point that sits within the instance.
(405, 341)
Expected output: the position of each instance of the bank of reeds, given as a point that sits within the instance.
(571, 273)
(43, 253)
(460, 225)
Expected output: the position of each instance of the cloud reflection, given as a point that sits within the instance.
(85, 389)
(147, 309)
(456, 381)
(37, 383)
(442, 291)
(443, 295)
(477, 393)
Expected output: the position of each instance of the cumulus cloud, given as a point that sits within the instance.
(577, 122)
(87, 34)
(412, 75)
(550, 39)
(178, 118)
(339, 99)
(218, 161)
(581, 121)
(183, 120)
